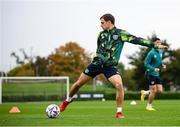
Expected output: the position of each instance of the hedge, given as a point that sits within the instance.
(107, 96)
(136, 95)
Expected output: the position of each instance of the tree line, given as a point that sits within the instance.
(71, 59)
(68, 60)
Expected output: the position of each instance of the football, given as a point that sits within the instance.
(52, 111)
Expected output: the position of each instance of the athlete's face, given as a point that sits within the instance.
(105, 24)
(157, 43)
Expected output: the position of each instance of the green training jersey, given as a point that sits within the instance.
(153, 60)
(110, 44)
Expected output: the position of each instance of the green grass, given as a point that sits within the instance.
(93, 113)
(32, 89)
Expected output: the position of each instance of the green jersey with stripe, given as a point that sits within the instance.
(110, 44)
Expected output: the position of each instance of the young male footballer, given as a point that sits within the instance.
(109, 46)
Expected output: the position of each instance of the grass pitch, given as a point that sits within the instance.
(92, 113)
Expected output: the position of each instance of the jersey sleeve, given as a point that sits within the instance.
(127, 37)
(148, 60)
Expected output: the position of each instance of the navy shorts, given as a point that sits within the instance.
(93, 70)
(153, 80)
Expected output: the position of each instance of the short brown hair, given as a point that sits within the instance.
(108, 17)
(154, 39)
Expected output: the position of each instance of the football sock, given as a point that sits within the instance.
(68, 99)
(149, 105)
(119, 109)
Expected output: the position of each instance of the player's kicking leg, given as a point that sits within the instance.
(74, 89)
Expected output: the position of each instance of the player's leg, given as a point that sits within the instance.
(74, 89)
(153, 89)
(144, 93)
(159, 88)
(90, 72)
(83, 79)
(151, 97)
(159, 85)
(117, 82)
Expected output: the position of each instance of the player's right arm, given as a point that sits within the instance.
(147, 62)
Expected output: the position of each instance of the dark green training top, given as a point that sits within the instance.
(153, 60)
(110, 44)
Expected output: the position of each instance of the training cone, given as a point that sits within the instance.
(133, 102)
(14, 109)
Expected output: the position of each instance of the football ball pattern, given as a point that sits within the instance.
(52, 111)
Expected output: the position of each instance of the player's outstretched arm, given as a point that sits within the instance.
(127, 37)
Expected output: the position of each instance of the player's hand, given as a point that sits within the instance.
(163, 66)
(163, 46)
(156, 69)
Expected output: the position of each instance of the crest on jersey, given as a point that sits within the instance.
(115, 37)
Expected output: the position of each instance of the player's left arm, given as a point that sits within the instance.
(127, 37)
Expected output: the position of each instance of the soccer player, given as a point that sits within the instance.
(153, 63)
(109, 46)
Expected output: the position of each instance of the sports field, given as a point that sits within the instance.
(92, 113)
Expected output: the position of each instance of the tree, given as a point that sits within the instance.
(25, 66)
(18, 61)
(40, 66)
(69, 60)
(171, 75)
(137, 60)
(23, 70)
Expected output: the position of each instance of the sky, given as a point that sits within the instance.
(40, 26)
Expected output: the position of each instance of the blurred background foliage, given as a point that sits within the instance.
(71, 60)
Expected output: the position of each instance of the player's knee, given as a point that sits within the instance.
(119, 86)
(153, 90)
(159, 91)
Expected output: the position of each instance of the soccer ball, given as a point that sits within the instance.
(52, 111)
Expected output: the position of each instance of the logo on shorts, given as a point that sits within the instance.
(117, 72)
(87, 70)
(152, 82)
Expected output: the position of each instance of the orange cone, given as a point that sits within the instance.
(14, 109)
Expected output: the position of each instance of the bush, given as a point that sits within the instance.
(107, 96)
(31, 98)
(136, 95)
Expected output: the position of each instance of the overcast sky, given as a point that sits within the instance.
(40, 26)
